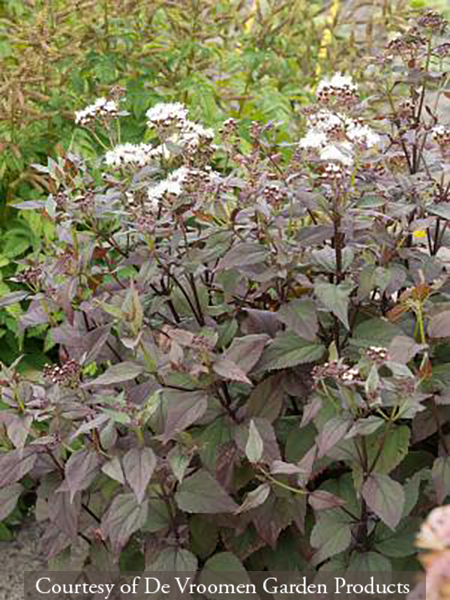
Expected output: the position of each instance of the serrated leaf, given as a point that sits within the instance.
(385, 497)
(365, 426)
(8, 499)
(331, 433)
(335, 298)
(200, 493)
(246, 351)
(290, 350)
(395, 446)
(139, 465)
(300, 317)
(124, 371)
(266, 398)
(183, 409)
(80, 471)
(174, 560)
(330, 536)
(243, 254)
(16, 464)
(221, 569)
(229, 370)
(124, 517)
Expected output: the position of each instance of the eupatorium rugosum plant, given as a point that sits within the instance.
(253, 346)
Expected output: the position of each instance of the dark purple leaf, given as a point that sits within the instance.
(16, 464)
(13, 298)
(183, 409)
(200, 493)
(332, 432)
(439, 325)
(266, 400)
(8, 499)
(64, 512)
(229, 370)
(322, 500)
(124, 371)
(139, 465)
(245, 253)
(300, 317)
(245, 351)
(124, 517)
(81, 470)
(385, 497)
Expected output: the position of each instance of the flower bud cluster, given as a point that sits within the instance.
(68, 374)
(101, 109)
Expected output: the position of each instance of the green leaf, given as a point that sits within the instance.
(365, 426)
(266, 399)
(330, 536)
(375, 332)
(255, 446)
(370, 561)
(201, 493)
(290, 350)
(124, 517)
(400, 542)
(385, 497)
(300, 317)
(204, 535)
(335, 298)
(124, 371)
(224, 568)
(81, 470)
(174, 560)
(395, 446)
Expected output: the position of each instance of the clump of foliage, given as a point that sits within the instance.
(253, 344)
(220, 58)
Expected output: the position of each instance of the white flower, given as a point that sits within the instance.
(102, 107)
(325, 120)
(362, 134)
(164, 188)
(314, 139)
(166, 114)
(335, 153)
(129, 154)
(339, 86)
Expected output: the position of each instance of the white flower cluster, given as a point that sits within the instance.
(441, 134)
(102, 108)
(171, 119)
(179, 181)
(166, 114)
(338, 88)
(129, 154)
(336, 136)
